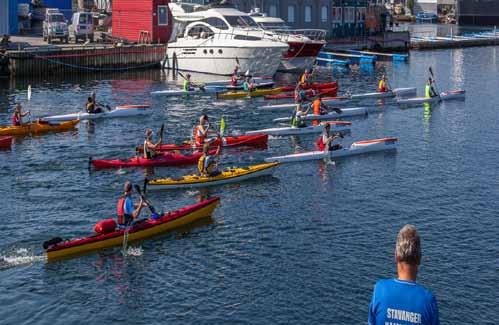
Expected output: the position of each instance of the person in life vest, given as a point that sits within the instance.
(17, 117)
(201, 131)
(188, 83)
(318, 108)
(429, 90)
(235, 77)
(149, 146)
(305, 77)
(126, 211)
(248, 84)
(91, 105)
(297, 118)
(207, 164)
(325, 140)
(383, 85)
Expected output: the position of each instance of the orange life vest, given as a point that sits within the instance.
(381, 86)
(16, 121)
(120, 210)
(317, 106)
(198, 137)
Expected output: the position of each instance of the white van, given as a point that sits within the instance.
(82, 27)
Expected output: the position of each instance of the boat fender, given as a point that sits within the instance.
(52, 242)
(105, 226)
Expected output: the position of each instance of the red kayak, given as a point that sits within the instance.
(314, 85)
(257, 140)
(164, 159)
(308, 93)
(5, 142)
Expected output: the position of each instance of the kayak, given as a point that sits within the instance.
(257, 140)
(244, 94)
(318, 85)
(346, 112)
(5, 142)
(448, 95)
(110, 236)
(338, 126)
(226, 82)
(230, 175)
(38, 127)
(308, 93)
(338, 101)
(163, 159)
(258, 85)
(392, 93)
(355, 148)
(208, 89)
(119, 111)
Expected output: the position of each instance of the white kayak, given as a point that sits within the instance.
(392, 93)
(338, 126)
(226, 82)
(181, 92)
(335, 101)
(346, 112)
(448, 95)
(355, 148)
(119, 111)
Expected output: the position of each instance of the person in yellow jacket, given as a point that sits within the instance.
(383, 85)
(305, 77)
(429, 90)
(207, 163)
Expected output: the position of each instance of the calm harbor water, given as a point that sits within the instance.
(304, 246)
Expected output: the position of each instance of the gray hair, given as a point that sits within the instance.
(408, 246)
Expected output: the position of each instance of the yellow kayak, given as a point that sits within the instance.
(254, 93)
(38, 127)
(231, 175)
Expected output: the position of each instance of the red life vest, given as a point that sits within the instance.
(233, 80)
(120, 210)
(198, 139)
(320, 144)
(15, 120)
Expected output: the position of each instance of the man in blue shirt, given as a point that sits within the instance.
(402, 300)
(125, 209)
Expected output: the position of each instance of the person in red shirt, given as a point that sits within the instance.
(17, 117)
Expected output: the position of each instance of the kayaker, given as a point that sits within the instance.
(126, 211)
(207, 164)
(17, 117)
(305, 77)
(201, 131)
(325, 141)
(429, 90)
(297, 119)
(149, 146)
(300, 94)
(235, 76)
(188, 83)
(248, 84)
(383, 85)
(318, 108)
(402, 300)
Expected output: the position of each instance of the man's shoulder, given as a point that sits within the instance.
(394, 284)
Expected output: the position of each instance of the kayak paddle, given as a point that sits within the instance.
(139, 191)
(200, 86)
(434, 80)
(161, 130)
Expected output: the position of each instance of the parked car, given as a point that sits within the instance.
(82, 27)
(55, 26)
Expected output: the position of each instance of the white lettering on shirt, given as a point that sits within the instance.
(403, 315)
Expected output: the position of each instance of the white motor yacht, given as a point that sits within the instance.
(211, 39)
(304, 44)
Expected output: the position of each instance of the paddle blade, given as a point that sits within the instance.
(137, 188)
(29, 92)
(222, 126)
(161, 131)
(431, 71)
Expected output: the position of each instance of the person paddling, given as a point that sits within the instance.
(235, 77)
(188, 86)
(17, 117)
(201, 131)
(325, 141)
(149, 146)
(126, 211)
(297, 119)
(207, 164)
(429, 89)
(318, 108)
(305, 77)
(383, 85)
(248, 84)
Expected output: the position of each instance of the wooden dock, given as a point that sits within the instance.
(457, 42)
(42, 61)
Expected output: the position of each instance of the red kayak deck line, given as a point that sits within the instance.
(5, 142)
(257, 140)
(148, 223)
(163, 159)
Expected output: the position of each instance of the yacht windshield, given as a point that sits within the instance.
(241, 21)
(274, 25)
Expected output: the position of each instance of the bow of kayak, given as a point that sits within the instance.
(255, 141)
(338, 126)
(447, 95)
(231, 175)
(346, 112)
(5, 142)
(244, 94)
(143, 229)
(119, 111)
(356, 148)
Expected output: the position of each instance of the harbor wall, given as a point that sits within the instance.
(78, 60)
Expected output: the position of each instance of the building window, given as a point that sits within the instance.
(291, 14)
(162, 15)
(273, 11)
(324, 14)
(308, 14)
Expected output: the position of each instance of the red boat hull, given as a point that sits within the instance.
(257, 141)
(5, 142)
(309, 93)
(164, 159)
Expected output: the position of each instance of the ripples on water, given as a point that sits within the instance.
(304, 246)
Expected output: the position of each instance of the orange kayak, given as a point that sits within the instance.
(38, 127)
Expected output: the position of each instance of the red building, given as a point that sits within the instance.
(142, 20)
